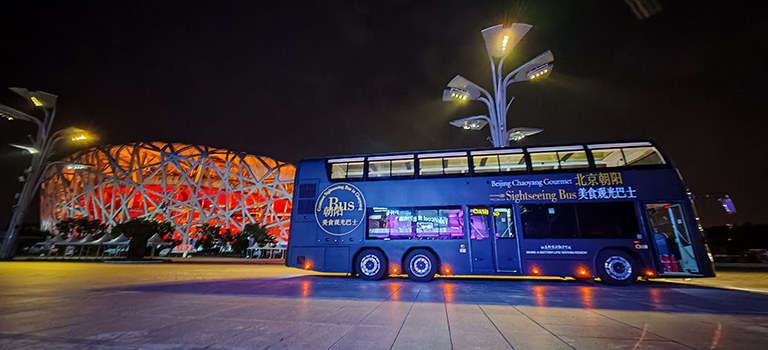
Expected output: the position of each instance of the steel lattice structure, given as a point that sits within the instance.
(187, 184)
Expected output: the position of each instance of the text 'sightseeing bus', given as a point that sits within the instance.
(616, 211)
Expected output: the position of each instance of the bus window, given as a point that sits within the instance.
(498, 161)
(418, 223)
(625, 154)
(607, 220)
(347, 168)
(443, 163)
(478, 224)
(548, 220)
(378, 169)
(642, 156)
(544, 161)
(402, 167)
(565, 157)
(512, 162)
(387, 166)
(455, 165)
(608, 158)
(502, 218)
(573, 159)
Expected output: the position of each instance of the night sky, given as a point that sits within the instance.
(296, 79)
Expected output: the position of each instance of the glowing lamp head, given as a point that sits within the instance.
(307, 265)
(394, 269)
(504, 42)
(446, 270)
(535, 271)
(459, 94)
(36, 101)
(79, 138)
(649, 273)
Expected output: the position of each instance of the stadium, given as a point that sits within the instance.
(189, 185)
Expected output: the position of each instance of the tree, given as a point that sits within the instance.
(259, 234)
(140, 230)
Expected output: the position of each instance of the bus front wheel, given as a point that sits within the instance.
(616, 267)
(371, 264)
(421, 265)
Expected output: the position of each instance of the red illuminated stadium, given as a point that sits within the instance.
(189, 185)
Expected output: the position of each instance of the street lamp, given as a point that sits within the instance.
(499, 42)
(41, 147)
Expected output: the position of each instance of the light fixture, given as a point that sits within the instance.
(30, 149)
(517, 134)
(475, 122)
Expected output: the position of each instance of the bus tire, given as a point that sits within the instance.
(371, 264)
(617, 268)
(421, 265)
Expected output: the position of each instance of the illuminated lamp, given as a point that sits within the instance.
(395, 269)
(535, 271)
(307, 265)
(583, 272)
(649, 273)
(446, 270)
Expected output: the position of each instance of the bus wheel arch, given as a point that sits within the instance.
(370, 264)
(421, 264)
(617, 266)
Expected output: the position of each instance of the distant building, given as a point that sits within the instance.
(187, 184)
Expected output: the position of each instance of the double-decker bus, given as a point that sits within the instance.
(616, 211)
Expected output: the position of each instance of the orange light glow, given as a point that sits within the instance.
(535, 271)
(446, 270)
(395, 269)
(307, 265)
(583, 272)
(649, 273)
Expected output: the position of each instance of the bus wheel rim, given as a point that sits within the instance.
(370, 265)
(618, 268)
(420, 265)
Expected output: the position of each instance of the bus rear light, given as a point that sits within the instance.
(535, 271)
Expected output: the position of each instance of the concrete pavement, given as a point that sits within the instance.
(194, 306)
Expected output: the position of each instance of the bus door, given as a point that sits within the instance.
(505, 240)
(671, 237)
(480, 234)
(493, 240)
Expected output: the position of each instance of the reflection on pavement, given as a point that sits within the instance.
(647, 296)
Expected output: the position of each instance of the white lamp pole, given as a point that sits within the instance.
(43, 144)
(499, 41)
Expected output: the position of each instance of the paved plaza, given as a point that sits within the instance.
(55, 305)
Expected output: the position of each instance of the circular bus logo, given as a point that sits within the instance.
(340, 209)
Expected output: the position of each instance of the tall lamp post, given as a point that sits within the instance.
(499, 42)
(40, 149)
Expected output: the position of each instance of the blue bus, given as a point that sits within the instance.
(615, 211)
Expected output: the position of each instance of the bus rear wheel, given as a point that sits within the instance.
(371, 264)
(615, 267)
(421, 265)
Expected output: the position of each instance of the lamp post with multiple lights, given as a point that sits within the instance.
(499, 42)
(40, 149)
